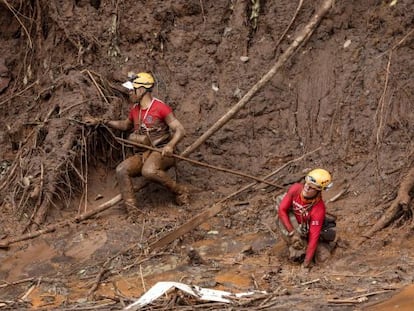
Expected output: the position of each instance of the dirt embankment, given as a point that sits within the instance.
(346, 90)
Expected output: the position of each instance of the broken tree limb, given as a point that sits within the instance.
(103, 207)
(401, 202)
(300, 38)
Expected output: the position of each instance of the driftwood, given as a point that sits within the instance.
(304, 34)
(400, 203)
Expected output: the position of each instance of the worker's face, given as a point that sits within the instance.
(136, 95)
(309, 191)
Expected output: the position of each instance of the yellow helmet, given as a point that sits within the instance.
(142, 79)
(319, 178)
(137, 80)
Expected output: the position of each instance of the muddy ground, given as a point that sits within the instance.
(342, 101)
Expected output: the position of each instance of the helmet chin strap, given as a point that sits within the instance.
(310, 199)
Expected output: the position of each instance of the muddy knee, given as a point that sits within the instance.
(121, 170)
(149, 172)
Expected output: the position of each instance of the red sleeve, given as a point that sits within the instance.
(164, 110)
(286, 204)
(317, 217)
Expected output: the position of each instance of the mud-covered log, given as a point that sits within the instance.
(51, 228)
(400, 203)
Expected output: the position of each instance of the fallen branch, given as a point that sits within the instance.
(300, 38)
(337, 196)
(357, 299)
(401, 202)
(6, 243)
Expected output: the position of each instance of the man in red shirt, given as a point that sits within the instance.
(302, 216)
(153, 123)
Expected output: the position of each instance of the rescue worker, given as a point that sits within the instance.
(302, 218)
(153, 123)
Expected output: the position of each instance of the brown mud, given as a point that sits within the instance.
(344, 98)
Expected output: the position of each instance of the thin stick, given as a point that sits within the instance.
(337, 196)
(381, 102)
(20, 22)
(86, 172)
(290, 24)
(310, 282)
(202, 10)
(303, 35)
(142, 278)
(28, 292)
(96, 84)
(354, 298)
(18, 93)
(98, 279)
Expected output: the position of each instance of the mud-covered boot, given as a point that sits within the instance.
(128, 195)
(323, 252)
(182, 195)
(132, 210)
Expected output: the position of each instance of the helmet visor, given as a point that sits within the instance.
(128, 85)
(313, 183)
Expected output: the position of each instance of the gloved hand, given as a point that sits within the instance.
(306, 266)
(296, 240)
(167, 151)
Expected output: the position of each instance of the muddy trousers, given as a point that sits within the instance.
(149, 165)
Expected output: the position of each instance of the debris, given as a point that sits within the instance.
(207, 294)
(194, 258)
(347, 43)
(244, 59)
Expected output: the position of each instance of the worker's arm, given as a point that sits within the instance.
(122, 125)
(178, 134)
(315, 226)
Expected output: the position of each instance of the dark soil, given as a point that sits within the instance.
(343, 101)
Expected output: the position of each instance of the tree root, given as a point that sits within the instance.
(399, 205)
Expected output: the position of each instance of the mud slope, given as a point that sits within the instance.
(342, 101)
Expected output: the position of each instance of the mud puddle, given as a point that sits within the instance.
(226, 263)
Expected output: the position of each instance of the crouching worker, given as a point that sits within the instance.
(302, 219)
